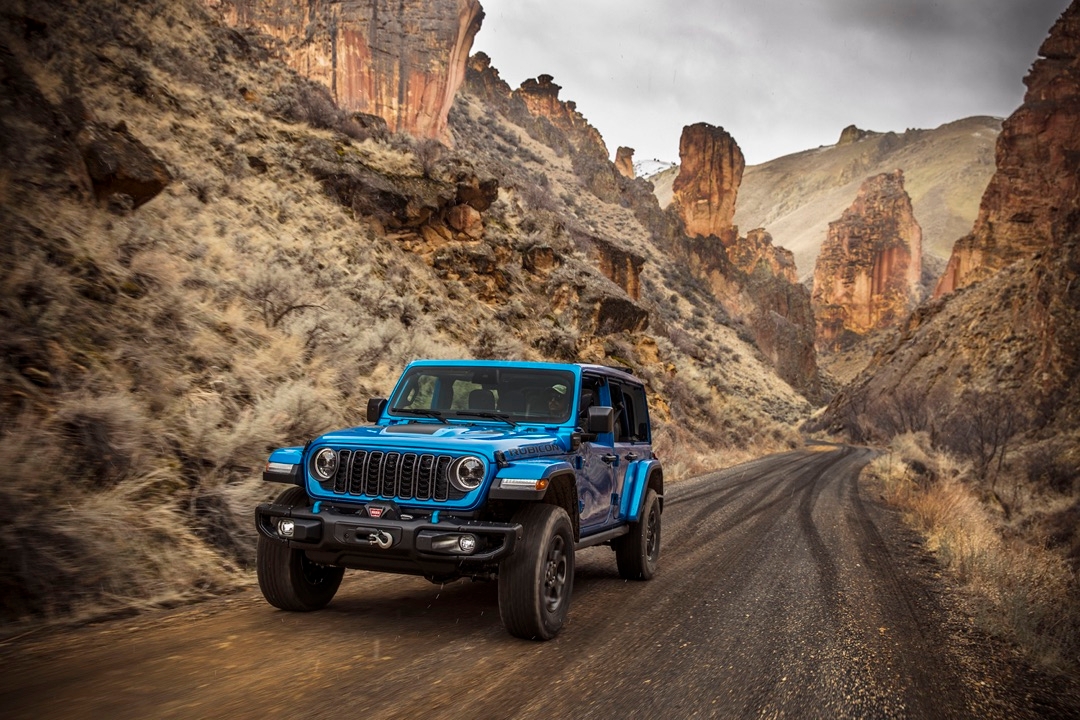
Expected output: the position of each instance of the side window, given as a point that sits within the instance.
(622, 419)
(635, 414)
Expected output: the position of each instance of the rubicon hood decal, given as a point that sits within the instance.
(533, 451)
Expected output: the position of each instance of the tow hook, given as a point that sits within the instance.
(381, 538)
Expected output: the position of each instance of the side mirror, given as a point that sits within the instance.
(375, 407)
(601, 420)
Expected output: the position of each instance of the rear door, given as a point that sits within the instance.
(632, 434)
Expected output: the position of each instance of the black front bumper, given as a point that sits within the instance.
(348, 539)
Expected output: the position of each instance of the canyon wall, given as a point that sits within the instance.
(402, 61)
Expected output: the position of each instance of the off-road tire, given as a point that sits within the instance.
(536, 581)
(638, 552)
(289, 580)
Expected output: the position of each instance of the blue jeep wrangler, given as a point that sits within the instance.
(480, 469)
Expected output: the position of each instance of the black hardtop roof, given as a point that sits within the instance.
(610, 371)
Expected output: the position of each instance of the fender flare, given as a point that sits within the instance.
(537, 470)
(635, 487)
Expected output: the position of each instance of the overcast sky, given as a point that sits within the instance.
(780, 75)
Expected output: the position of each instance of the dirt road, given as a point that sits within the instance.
(782, 592)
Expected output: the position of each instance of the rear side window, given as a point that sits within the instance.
(631, 413)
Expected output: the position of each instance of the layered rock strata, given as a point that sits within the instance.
(402, 61)
(867, 274)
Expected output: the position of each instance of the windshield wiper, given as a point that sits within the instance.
(487, 414)
(437, 414)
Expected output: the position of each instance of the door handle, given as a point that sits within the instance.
(609, 458)
(632, 456)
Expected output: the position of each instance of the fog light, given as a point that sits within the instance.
(467, 544)
(286, 527)
(464, 544)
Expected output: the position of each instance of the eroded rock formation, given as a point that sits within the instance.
(710, 170)
(402, 60)
(754, 280)
(867, 273)
(756, 253)
(123, 171)
(540, 97)
(624, 161)
(853, 134)
(1038, 167)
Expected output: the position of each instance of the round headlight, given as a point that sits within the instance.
(467, 473)
(324, 464)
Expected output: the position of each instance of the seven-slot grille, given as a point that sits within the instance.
(399, 475)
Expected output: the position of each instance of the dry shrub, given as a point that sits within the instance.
(80, 551)
(1020, 590)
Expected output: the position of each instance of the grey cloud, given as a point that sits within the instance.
(781, 76)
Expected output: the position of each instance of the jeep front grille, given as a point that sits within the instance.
(395, 475)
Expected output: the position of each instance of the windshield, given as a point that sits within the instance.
(515, 394)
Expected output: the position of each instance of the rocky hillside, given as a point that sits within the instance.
(206, 257)
(795, 197)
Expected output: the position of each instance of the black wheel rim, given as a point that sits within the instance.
(555, 573)
(652, 535)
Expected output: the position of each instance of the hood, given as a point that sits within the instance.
(453, 437)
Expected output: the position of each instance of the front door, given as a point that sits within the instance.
(595, 476)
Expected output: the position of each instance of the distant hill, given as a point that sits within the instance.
(796, 196)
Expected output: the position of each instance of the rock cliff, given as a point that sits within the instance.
(710, 169)
(402, 61)
(867, 273)
(1038, 167)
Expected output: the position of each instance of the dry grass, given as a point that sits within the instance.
(1020, 590)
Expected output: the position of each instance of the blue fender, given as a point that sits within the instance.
(518, 480)
(284, 466)
(634, 488)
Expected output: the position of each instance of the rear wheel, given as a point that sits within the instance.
(536, 581)
(287, 578)
(638, 552)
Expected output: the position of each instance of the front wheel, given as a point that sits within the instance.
(287, 578)
(638, 552)
(536, 581)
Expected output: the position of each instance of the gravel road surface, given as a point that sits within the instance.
(783, 591)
